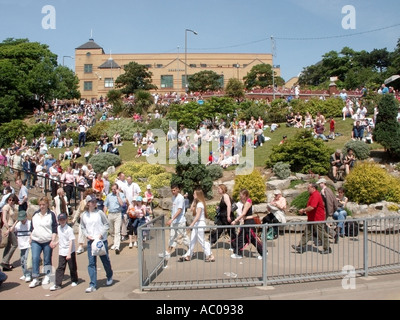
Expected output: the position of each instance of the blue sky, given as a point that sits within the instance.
(244, 26)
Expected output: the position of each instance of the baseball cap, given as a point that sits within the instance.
(322, 180)
(144, 200)
(90, 198)
(139, 198)
(62, 216)
(149, 186)
(277, 191)
(21, 215)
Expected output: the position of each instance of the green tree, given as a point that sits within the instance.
(191, 176)
(136, 77)
(143, 100)
(235, 88)
(304, 154)
(204, 81)
(29, 76)
(260, 76)
(387, 128)
(66, 84)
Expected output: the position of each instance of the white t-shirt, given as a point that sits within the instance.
(178, 202)
(202, 219)
(65, 235)
(23, 234)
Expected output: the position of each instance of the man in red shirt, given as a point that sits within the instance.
(315, 212)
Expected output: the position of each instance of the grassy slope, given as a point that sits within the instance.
(128, 150)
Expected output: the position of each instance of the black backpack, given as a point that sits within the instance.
(351, 229)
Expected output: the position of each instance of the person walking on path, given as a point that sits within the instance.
(225, 216)
(177, 222)
(246, 235)
(66, 253)
(198, 224)
(9, 218)
(315, 211)
(113, 203)
(43, 238)
(95, 225)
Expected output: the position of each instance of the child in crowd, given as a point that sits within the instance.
(66, 253)
(139, 152)
(22, 230)
(149, 196)
(332, 123)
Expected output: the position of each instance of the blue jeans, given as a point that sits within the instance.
(24, 257)
(37, 249)
(322, 136)
(92, 267)
(340, 214)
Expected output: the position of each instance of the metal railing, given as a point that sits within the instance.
(45, 183)
(375, 249)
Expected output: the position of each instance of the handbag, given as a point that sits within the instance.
(234, 207)
(3, 237)
(98, 248)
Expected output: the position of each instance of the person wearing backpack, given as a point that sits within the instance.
(225, 216)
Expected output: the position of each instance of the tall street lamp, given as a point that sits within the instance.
(66, 57)
(186, 78)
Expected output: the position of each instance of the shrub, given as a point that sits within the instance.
(95, 132)
(387, 129)
(215, 171)
(304, 154)
(369, 183)
(211, 211)
(360, 148)
(277, 111)
(144, 173)
(191, 176)
(282, 170)
(301, 200)
(102, 161)
(329, 107)
(254, 183)
(39, 128)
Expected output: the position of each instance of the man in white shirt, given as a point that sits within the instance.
(177, 222)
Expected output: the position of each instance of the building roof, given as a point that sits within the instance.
(90, 45)
(109, 64)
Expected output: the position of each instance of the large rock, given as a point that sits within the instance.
(260, 208)
(165, 203)
(32, 208)
(111, 170)
(164, 192)
(278, 184)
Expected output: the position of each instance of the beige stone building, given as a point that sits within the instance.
(97, 71)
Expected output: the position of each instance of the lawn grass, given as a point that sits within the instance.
(128, 151)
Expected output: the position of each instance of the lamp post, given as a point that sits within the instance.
(273, 72)
(66, 57)
(186, 78)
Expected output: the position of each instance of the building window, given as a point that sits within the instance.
(192, 65)
(159, 65)
(109, 83)
(88, 68)
(167, 81)
(184, 80)
(203, 65)
(88, 86)
(148, 66)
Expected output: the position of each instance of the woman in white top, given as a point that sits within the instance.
(199, 222)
